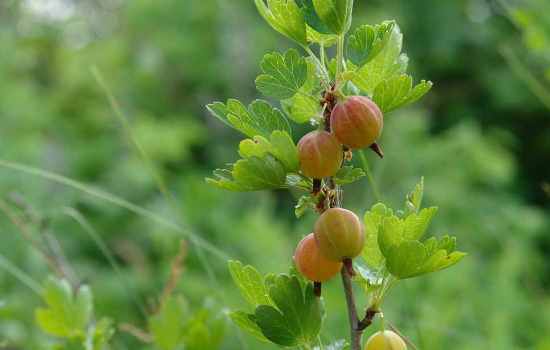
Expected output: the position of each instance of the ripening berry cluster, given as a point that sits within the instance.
(338, 235)
(355, 123)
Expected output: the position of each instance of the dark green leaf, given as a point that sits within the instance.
(247, 323)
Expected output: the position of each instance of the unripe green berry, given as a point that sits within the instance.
(357, 122)
(320, 153)
(312, 264)
(339, 234)
(385, 340)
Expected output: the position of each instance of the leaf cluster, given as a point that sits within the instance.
(285, 310)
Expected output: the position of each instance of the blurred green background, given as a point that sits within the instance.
(481, 139)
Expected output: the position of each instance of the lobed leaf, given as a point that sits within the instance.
(282, 76)
(368, 41)
(250, 283)
(303, 106)
(67, 314)
(166, 326)
(260, 118)
(286, 17)
(387, 64)
(336, 15)
(373, 222)
(398, 91)
(247, 323)
(297, 317)
(413, 202)
(348, 174)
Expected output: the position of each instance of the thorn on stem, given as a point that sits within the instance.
(377, 149)
(317, 288)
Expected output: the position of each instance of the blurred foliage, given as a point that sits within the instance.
(481, 142)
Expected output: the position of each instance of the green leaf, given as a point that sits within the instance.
(285, 17)
(102, 333)
(67, 314)
(337, 345)
(373, 223)
(204, 329)
(296, 320)
(284, 149)
(335, 14)
(368, 41)
(305, 203)
(387, 64)
(324, 40)
(415, 225)
(369, 278)
(250, 283)
(304, 106)
(274, 326)
(166, 326)
(413, 202)
(251, 174)
(348, 174)
(312, 19)
(398, 91)
(260, 118)
(412, 258)
(247, 323)
(280, 146)
(282, 76)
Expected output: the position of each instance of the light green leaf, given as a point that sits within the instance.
(285, 17)
(304, 106)
(387, 64)
(373, 223)
(324, 40)
(413, 202)
(166, 326)
(280, 146)
(335, 14)
(260, 118)
(102, 333)
(204, 329)
(251, 174)
(398, 91)
(415, 225)
(369, 278)
(348, 174)
(305, 203)
(390, 234)
(282, 75)
(301, 108)
(284, 149)
(368, 41)
(247, 323)
(250, 283)
(412, 258)
(67, 314)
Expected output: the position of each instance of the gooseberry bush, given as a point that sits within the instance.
(344, 99)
